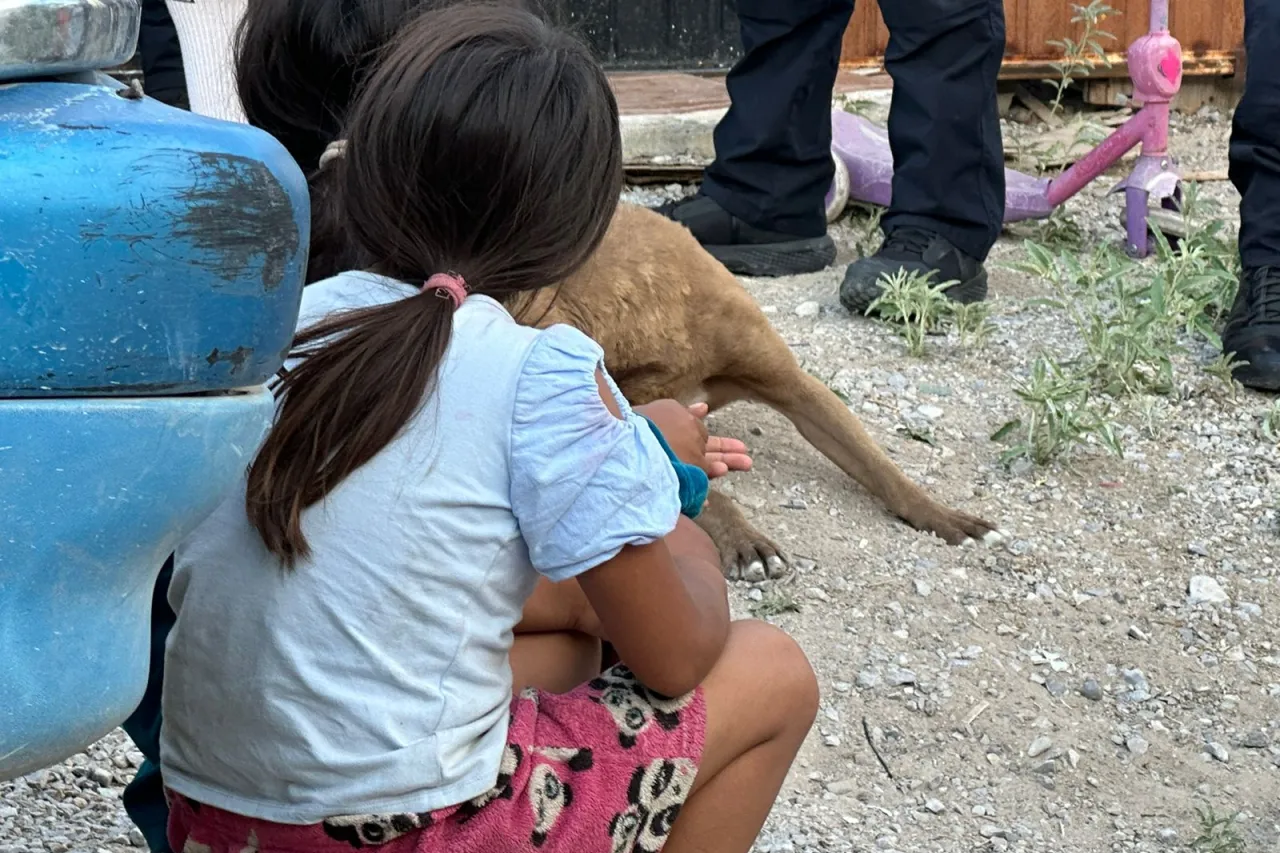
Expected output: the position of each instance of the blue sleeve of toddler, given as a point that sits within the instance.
(693, 481)
(584, 484)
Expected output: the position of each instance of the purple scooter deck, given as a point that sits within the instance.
(863, 147)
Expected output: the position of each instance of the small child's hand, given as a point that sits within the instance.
(724, 455)
(686, 433)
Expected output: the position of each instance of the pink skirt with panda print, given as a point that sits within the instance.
(602, 769)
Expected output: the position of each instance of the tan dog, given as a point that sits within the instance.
(674, 323)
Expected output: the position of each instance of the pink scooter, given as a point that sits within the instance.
(864, 163)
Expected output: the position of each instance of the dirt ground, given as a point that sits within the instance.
(1063, 691)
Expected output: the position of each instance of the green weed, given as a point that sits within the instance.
(914, 305)
(972, 323)
(1131, 317)
(1271, 423)
(1079, 56)
(1217, 834)
(864, 219)
(1060, 414)
(775, 604)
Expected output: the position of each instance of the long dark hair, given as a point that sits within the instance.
(485, 143)
(298, 66)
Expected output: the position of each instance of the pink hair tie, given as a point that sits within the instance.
(448, 285)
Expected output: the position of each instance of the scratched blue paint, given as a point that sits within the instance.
(143, 249)
(94, 494)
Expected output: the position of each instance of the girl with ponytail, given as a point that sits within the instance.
(343, 671)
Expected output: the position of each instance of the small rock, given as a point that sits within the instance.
(1039, 747)
(1138, 634)
(100, 777)
(1255, 739)
(1168, 836)
(1136, 744)
(868, 678)
(831, 740)
(842, 786)
(1248, 610)
(935, 806)
(992, 831)
(808, 309)
(923, 589)
(900, 677)
(1218, 751)
(1200, 549)
(136, 838)
(1091, 690)
(929, 411)
(1205, 590)
(1139, 689)
(1057, 687)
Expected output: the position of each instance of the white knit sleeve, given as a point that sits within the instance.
(206, 32)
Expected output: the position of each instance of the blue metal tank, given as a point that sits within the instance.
(143, 249)
(151, 267)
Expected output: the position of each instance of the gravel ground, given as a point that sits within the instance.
(1087, 686)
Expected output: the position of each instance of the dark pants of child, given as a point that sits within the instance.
(144, 796)
(163, 77)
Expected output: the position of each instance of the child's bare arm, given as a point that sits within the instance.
(664, 605)
(667, 616)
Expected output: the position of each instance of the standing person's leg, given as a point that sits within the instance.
(761, 209)
(944, 128)
(1253, 327)
(144, 796)
(161, 56)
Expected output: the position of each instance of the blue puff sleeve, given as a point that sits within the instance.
(584, 484)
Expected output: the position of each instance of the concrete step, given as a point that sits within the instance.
(668, 117)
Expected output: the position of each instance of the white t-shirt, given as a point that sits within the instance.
(375, 677)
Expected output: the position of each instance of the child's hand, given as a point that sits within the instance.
(686, 433)
(724, 455)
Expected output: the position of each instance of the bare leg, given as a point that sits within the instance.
(762, 697)
(555, 661)
(558, 607)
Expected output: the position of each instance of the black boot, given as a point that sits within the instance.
(745, 249)
(913, 250)
(1253, 329)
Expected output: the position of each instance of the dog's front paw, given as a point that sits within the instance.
(745, 553)
(957, 528)
(751, 558)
